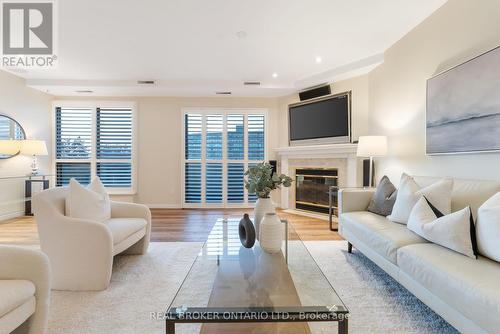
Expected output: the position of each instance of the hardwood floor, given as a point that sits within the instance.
(177, 225)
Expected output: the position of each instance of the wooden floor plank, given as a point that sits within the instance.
(177, 225)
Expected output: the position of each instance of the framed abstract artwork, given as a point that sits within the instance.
(463, 107)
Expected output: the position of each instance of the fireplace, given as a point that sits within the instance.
(312, 188)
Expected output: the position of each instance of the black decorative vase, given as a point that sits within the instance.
(247, 232)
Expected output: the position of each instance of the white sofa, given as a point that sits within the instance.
(464, 291)
(24, 290)
(81, 251)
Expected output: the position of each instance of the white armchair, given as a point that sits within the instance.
(24, 290)
(81, 251)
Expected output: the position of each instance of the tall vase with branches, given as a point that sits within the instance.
(261, 180)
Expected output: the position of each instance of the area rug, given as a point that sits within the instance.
(143, 286)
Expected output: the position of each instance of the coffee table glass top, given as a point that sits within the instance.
(228, 277)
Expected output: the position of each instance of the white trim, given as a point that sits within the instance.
(164, 206)
(11, 215)
(204, 111)
(307, 214)
(93, 105)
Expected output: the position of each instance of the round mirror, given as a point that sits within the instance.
(11, 133)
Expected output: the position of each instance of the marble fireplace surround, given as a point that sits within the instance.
(340, 156)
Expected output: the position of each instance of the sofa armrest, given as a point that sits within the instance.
(354, 199)
(30, 265)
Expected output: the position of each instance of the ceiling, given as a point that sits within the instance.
(198, 47)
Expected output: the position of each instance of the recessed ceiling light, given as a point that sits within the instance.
(275, 75)
(318, 59)
(241, 34)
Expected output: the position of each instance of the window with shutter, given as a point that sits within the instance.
(218, 147)
(95, 141)
(73, 133)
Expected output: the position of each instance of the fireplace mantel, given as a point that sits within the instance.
(312, 153)
(318, 151)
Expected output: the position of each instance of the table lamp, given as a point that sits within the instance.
(9, 147)
(34, 148)
(371, 147)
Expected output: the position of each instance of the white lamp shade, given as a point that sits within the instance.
(10, 147)
(33, 147)
(372, 146)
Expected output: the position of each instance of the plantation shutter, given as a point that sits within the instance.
(235, 137)
(73, 133)
(114, 146)
(192, 183)
(5, 128)
(67, 170)
(105, 149)
(256, 143)
(218, 148)
(235, 185)
(73, 142)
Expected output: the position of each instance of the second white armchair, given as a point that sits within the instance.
(81, 251)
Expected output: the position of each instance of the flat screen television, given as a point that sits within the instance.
(325, 120)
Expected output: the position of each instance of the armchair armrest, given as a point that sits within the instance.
(34, 266)
(354, 199)
(134, 210)
(77, 248)
(130, 210)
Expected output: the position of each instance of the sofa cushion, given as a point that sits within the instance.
(384, 197)
(455, 231)
(379, 233)
(409, 192)
(488, 228)
(14, 293)
(468, 285)
(122, 228)
(465, 192)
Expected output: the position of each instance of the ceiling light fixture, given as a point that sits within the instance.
(318, 59)
(84, 91)
(223, 93)
(275, 75)
(241, 34)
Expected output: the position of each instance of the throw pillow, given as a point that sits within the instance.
(455, 231)
(91, 203)
(438, 193)
(384, 197)
(488, 228)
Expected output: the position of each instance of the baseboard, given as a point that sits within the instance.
(11, 215)
(164, 206)
(307, 214)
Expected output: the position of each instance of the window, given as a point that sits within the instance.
(219, 145)
(95, 141)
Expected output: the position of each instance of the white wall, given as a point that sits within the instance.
(458, 31)
(31, 109)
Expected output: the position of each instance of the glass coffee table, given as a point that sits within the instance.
(232, 289)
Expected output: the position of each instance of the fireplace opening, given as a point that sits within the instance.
(313, 187)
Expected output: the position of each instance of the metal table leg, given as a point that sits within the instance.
(170, 327)
(343, 326)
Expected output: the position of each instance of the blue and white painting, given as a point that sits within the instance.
(463, 107)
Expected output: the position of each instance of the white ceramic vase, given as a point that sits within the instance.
(262, 206)
(271, 233)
